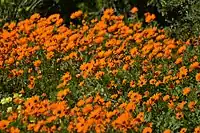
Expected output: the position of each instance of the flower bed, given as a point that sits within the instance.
(105, 75)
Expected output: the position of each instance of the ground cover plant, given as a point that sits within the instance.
(104, 75)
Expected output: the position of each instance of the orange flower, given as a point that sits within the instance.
(181, 49)
(59, 108)
(198, 77)
(35, 17)
(31, 85)
(180, 106)
(197, 129)
(89, 100)
(191, 105)
(171, 104)
(53, 18)
(87, 108)
(10, 61)
(134, 10)
(49, 55)
(61, 85)
(114, 96)
(132, 84)
(179, 115)
(61, 94)
(167, 131)
(186, 91)
(166, 97)
(99, 40)
(130, 107)
(135, 97)
(108, 12)
(112, 28)
(194, 65)
(76, 14)
(67, 77)
(4, 124)
(147, 130)
(81, 83)
(133, 51)
(179, 60)
(183, 130)
(99, 74)
(50, 119)
(125, 67)
(14, 130)
(37, 63)
(146, 93)
(149, 17)
(12, 25)
(17, 100)
(80, 103)
(152, 81)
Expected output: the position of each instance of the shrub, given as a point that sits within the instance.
(181, 15)
(14, 10)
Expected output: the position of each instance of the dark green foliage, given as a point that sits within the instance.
(14, 10)
(182, 16)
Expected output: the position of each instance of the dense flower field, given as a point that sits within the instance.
(104, 75)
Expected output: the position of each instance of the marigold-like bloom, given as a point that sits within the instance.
(109, 11)
(166, 97)
(99, 74)
(31, 85)
(149, 17)
(81, 83)
(4, 124)
(197, 129)
(49, 55)
(152, 81)
(80, 103)
(180, 106)
(147, 130)
(134, 10)
(132, 84)
(12, 25)
(14, 130)
(181, 49)
(179, 115)
(89, 100)
(191, 105)
(35, 17)
(133, 51)
(186, 90)
(87, 108)
(37, 63)
(194, 65)
(183, 130)
(171, 104)
(10, 60)
(76, 14)
(167, 131)
(53, 18)
(99, 40)
(67, 77)
(61, 94)
(179, 60)
(198, 77)
(125, 67)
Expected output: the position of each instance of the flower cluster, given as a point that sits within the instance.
(105, 75)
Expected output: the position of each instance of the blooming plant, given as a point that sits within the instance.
(105, 75)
